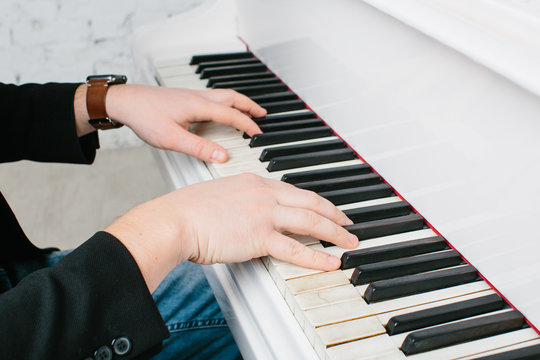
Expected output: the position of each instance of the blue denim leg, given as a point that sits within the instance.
(190, 311)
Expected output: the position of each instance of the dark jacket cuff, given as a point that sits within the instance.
(39, 124)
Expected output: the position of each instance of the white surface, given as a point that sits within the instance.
(457, 140)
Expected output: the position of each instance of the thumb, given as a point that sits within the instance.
(199, 147)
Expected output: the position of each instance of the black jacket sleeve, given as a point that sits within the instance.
(96, 294)
(37, 123)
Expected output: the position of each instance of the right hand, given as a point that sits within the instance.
(231, 219)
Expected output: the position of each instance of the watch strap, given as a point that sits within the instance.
(95, 99)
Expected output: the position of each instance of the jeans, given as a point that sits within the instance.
(191, 313)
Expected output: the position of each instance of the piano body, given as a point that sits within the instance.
(440, 98)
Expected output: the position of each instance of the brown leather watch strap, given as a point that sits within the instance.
(95, 98)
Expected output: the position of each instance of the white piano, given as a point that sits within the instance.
(442, 99)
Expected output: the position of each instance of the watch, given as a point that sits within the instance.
(96, 93)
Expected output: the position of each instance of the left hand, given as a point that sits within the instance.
(161, 116)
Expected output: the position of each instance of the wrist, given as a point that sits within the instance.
(116, 101)
(80, 113)
(157, 241)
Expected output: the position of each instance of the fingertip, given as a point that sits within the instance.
(353, 240)
(333, 262)
(218, 156)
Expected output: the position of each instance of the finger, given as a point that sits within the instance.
(287, 249)
(191, 144)
(228, 116)
(305, 222)
(236, 100)
(289, 195)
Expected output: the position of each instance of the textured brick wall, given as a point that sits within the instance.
(64, 40)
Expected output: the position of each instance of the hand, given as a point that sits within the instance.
(231, 220)
(161, 116)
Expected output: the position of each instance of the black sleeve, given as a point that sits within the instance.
(38, 124)
(95, 295)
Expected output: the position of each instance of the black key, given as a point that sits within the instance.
(282, 106)
(341, 183)
(399, 250)
(376, 212)
(347, 196)
(314, 158)
(270, 153)
(462, 331)
(417, 283)
(525, 353)
(382, 227)
(298, 124)
(237, 77)
(279, 118)
(230, 70)
(321, 174)
(273, 97)
(197, 59)
(257, 90)
(233, 62)
(280, 137)
(442, 314)
(250, 82)
(289, 125)
(364, 274)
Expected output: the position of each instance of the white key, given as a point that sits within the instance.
(305, 239)
(292, 271)
(316, 282)
(338, 312)
(503, 349)
(323, 297)
(352, 330)
(376, 347)
(183, 82)
(366, 203)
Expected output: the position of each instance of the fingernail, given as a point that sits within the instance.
(217, 156)
(334, 261)
(349, 222)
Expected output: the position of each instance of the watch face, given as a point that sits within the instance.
(111, 79)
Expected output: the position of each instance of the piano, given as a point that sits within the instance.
(418, 118)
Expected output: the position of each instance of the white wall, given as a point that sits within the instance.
(66, 40)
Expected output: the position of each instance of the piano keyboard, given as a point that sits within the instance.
(403, 293)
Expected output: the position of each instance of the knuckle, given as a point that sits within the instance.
(314, 199)
(249, 177)
(313, 219)
(294, 249)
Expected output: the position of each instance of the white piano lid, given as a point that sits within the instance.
(459, 141)
(500, 34)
